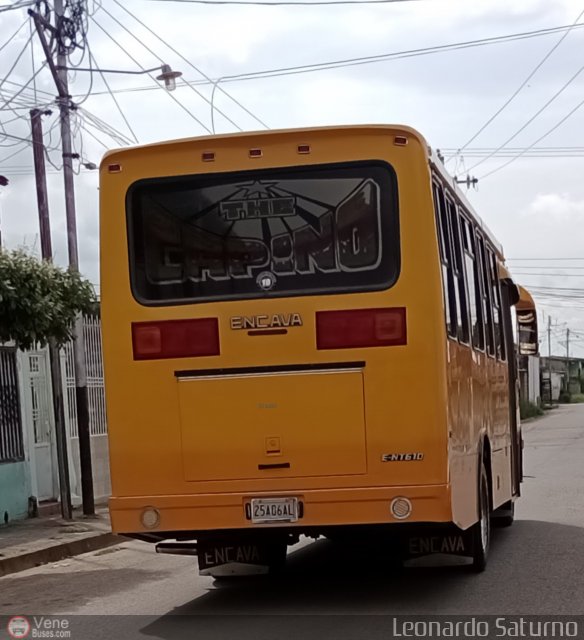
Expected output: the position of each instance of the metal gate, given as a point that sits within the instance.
(42, 419)
(95, 386)
(11, 441)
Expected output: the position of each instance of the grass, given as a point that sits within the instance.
(530, 410)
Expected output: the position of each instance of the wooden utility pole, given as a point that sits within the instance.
(38, 148)
(59, 73)
(568, 360)
(549, 332)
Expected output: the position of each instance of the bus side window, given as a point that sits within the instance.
(487, 302)
(458, 268)
(473, 283)
(496, 297)
(450, 302)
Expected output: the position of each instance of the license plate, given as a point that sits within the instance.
(274, 510)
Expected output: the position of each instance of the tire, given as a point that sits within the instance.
(481, 531)
(504, 515)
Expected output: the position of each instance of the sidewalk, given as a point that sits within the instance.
(28, 543)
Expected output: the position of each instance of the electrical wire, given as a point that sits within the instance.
(16, 5)
(201, 95)
(521, 86)
(545, 135)
(13, 35)
(536, 152)
(348, 62)
(101, 142)
(32, 62)
(7, 102)
(549, 275)
(190, 113)
(198, 70)
(119, 108)
(16, 61)
(19, 84)
(530, 120)
(23, 147)
(283, 3)
(104, 127)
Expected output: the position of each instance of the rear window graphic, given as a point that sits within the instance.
(267, 233)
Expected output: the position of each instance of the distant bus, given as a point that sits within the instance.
(305, 332)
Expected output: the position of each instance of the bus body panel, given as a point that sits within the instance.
(418, 398)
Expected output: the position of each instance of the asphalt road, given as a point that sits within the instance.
(536, 567)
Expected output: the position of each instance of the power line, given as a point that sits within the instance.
(16, 5)
(529, 121)
(103, 126)
(16, 61)
(197, 69)
(201, 95)
(7, 102)
(549, 275)
(281, 3)
(545, 135)
(521, 86)
(13, 35)
(180, 104)
(91, 57)
(19, 84)
(348, 62)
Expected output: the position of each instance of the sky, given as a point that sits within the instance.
(535, 205)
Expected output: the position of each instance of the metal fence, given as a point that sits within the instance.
(11, 440)
(95, 388)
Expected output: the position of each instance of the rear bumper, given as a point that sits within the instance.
(321, 508)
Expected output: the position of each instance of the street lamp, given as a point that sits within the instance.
(168, 75)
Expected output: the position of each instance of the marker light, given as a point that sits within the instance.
(401, 508)
(208, 156)
(303, 148)
(361, 328)
(255, 153)
(150, 518)
(175, 339)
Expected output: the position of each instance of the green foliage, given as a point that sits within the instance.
(529, 410)
(38, 300)
(564, 397)
(577, 398)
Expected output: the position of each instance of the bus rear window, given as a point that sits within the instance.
(275, 232)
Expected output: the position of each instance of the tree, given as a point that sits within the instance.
(39, 300)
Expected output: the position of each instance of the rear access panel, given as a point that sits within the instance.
(302, 424)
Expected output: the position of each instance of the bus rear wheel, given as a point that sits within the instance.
(481, 531)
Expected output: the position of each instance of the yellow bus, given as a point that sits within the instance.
(305, 332)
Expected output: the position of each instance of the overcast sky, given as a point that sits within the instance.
(535, 206)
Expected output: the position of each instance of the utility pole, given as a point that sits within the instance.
(54, 356)
(3, 183)
(549, 332)
(568, 360)
(59, 73)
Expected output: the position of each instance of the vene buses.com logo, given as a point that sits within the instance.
(18, 627)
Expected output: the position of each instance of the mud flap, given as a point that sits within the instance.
(443, 540)
(239, 557)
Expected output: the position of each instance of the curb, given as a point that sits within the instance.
(57, 552)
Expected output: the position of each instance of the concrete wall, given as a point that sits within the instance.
(101, 474)
(15, 490)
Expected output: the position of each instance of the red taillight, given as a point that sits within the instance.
(175, 339)
(361, 328)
